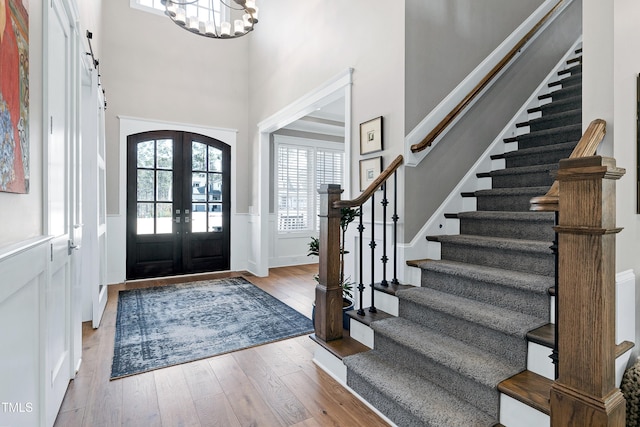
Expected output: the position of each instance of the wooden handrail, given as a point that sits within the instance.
(372, 188)
(457, 110)
(586, 147)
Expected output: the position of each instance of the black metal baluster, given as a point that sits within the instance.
(361, 285)
(372, 245)
(384, 258)
(554, 249)
(395, 228)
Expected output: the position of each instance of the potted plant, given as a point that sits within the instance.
(347, 216)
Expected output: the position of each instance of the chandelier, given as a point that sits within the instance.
(219, 19)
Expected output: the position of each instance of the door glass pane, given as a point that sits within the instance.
(164, 186)
(145, 184)
(214, 187)
(145, 218)
(199, 218)
(145, 154)
(215, 160)
(215, 217)
(198, 187)
(165, 154)
(198, 156)
(164, 218)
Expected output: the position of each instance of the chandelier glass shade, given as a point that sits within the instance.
(219, 19)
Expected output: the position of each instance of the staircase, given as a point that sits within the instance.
(464, 330)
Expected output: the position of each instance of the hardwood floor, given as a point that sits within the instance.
(272, 385)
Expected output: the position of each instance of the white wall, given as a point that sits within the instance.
(626, 66)
(446, 40)
(152, 69)
(91, 20)
(298, 46)
(610, 67)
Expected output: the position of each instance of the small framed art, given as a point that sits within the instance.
(371, 136)
(370, 169)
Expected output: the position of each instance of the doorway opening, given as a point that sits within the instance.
(178, 204)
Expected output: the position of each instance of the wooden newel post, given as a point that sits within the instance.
(584, 393)
(328, 315)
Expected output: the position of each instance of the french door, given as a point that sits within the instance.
(178, 204)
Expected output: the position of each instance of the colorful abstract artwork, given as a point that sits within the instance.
(14, 96)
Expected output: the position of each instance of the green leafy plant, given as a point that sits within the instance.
(347, 216)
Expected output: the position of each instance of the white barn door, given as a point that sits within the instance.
(93, 177)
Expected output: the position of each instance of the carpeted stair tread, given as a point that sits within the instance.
(542, 217)
(507, 199)
(511, 254)
(541, 155)
(565, 104)
(563, 93)
(573, 79)
(564, 118)
(466, 360)
(519, 291)
(571, 70)
(407, 401)
(512, 225)
(547, 136)
(576, 60)
(539, 150)
(523, 176)
(533, 191)
(523, 169)
(505, 321)
(508, 278)
(534, 246)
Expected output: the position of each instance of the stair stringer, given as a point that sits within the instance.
(419, 247)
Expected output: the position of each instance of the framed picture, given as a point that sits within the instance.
(371, 136)
(369, 170)
(14, 96)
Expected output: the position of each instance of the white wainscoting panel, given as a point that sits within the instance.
(24, 276)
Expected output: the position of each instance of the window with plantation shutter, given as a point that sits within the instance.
(329, 167)
(301, 169)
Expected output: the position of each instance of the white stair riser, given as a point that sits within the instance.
(387, 303)
(514, 413)
(330, 364)
(361, 332)
(538, 360)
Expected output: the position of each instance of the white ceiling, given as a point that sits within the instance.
(327, 120)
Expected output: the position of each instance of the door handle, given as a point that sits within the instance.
(71, 246)
(177, 220)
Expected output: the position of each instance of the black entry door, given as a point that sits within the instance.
(178, 204)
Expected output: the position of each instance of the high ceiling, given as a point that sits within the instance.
(327, 120)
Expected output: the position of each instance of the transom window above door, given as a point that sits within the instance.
(203, 14)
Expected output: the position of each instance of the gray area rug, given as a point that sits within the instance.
(168, 325)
